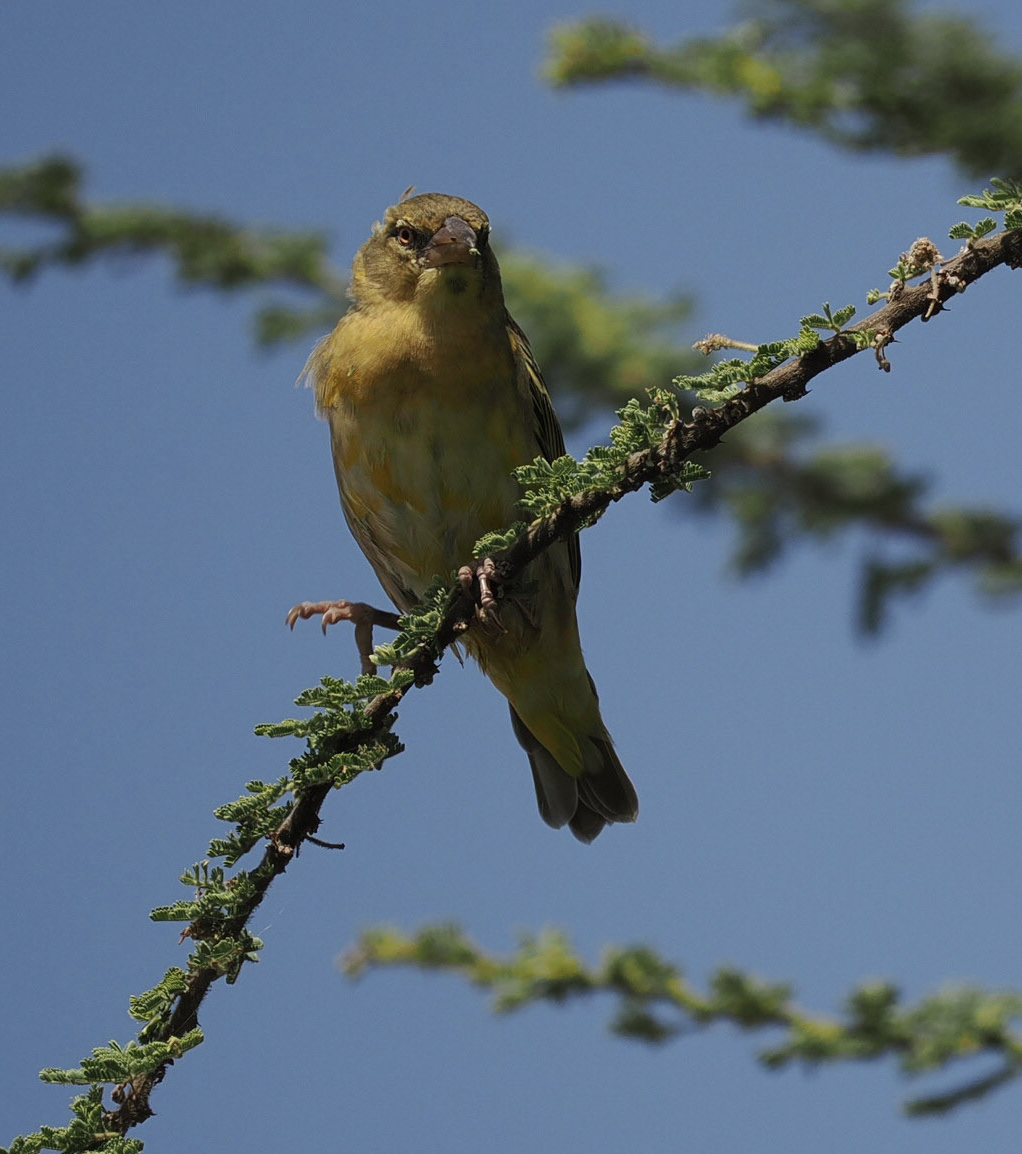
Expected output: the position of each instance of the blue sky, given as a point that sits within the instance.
(814, 808)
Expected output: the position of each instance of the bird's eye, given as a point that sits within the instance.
(405, 236)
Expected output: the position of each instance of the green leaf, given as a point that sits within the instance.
(115, 1064)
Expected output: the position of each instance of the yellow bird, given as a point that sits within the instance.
(433, 398)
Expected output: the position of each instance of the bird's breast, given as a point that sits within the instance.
(425, 437)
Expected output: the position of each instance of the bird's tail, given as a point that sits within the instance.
(536, 661)
(588, 800)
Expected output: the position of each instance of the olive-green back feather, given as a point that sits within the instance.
(548, 428)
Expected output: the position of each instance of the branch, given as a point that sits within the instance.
(869, 76)
(662, 463)
(775, 493)
(656, 1004)
(352, 730)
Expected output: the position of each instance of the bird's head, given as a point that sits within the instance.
(431, 248)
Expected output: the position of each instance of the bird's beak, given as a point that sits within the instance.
(453, 243)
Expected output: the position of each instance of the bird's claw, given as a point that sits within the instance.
(330, 611)
(482, 584)
(363, 616)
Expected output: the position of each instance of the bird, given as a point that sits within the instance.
(433, 398)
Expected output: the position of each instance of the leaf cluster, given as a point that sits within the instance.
(87, 1131)
(549, 485)
(780, 489)
(339, 715)
(866, 75)
(206, 250)
(655, 1003)
(1005, 197)
(118, 1065)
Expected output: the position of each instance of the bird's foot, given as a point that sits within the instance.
(482, 583)
(363, 616)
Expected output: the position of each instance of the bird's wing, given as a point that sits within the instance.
(548, 428)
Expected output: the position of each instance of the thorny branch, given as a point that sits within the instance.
(680, 441)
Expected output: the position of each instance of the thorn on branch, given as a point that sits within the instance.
(324, 844)
(881, 340)
(714, 342)
(796, 391)
(936, 305)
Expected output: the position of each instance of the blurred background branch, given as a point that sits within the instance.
(656, 1004)
(868, 75)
